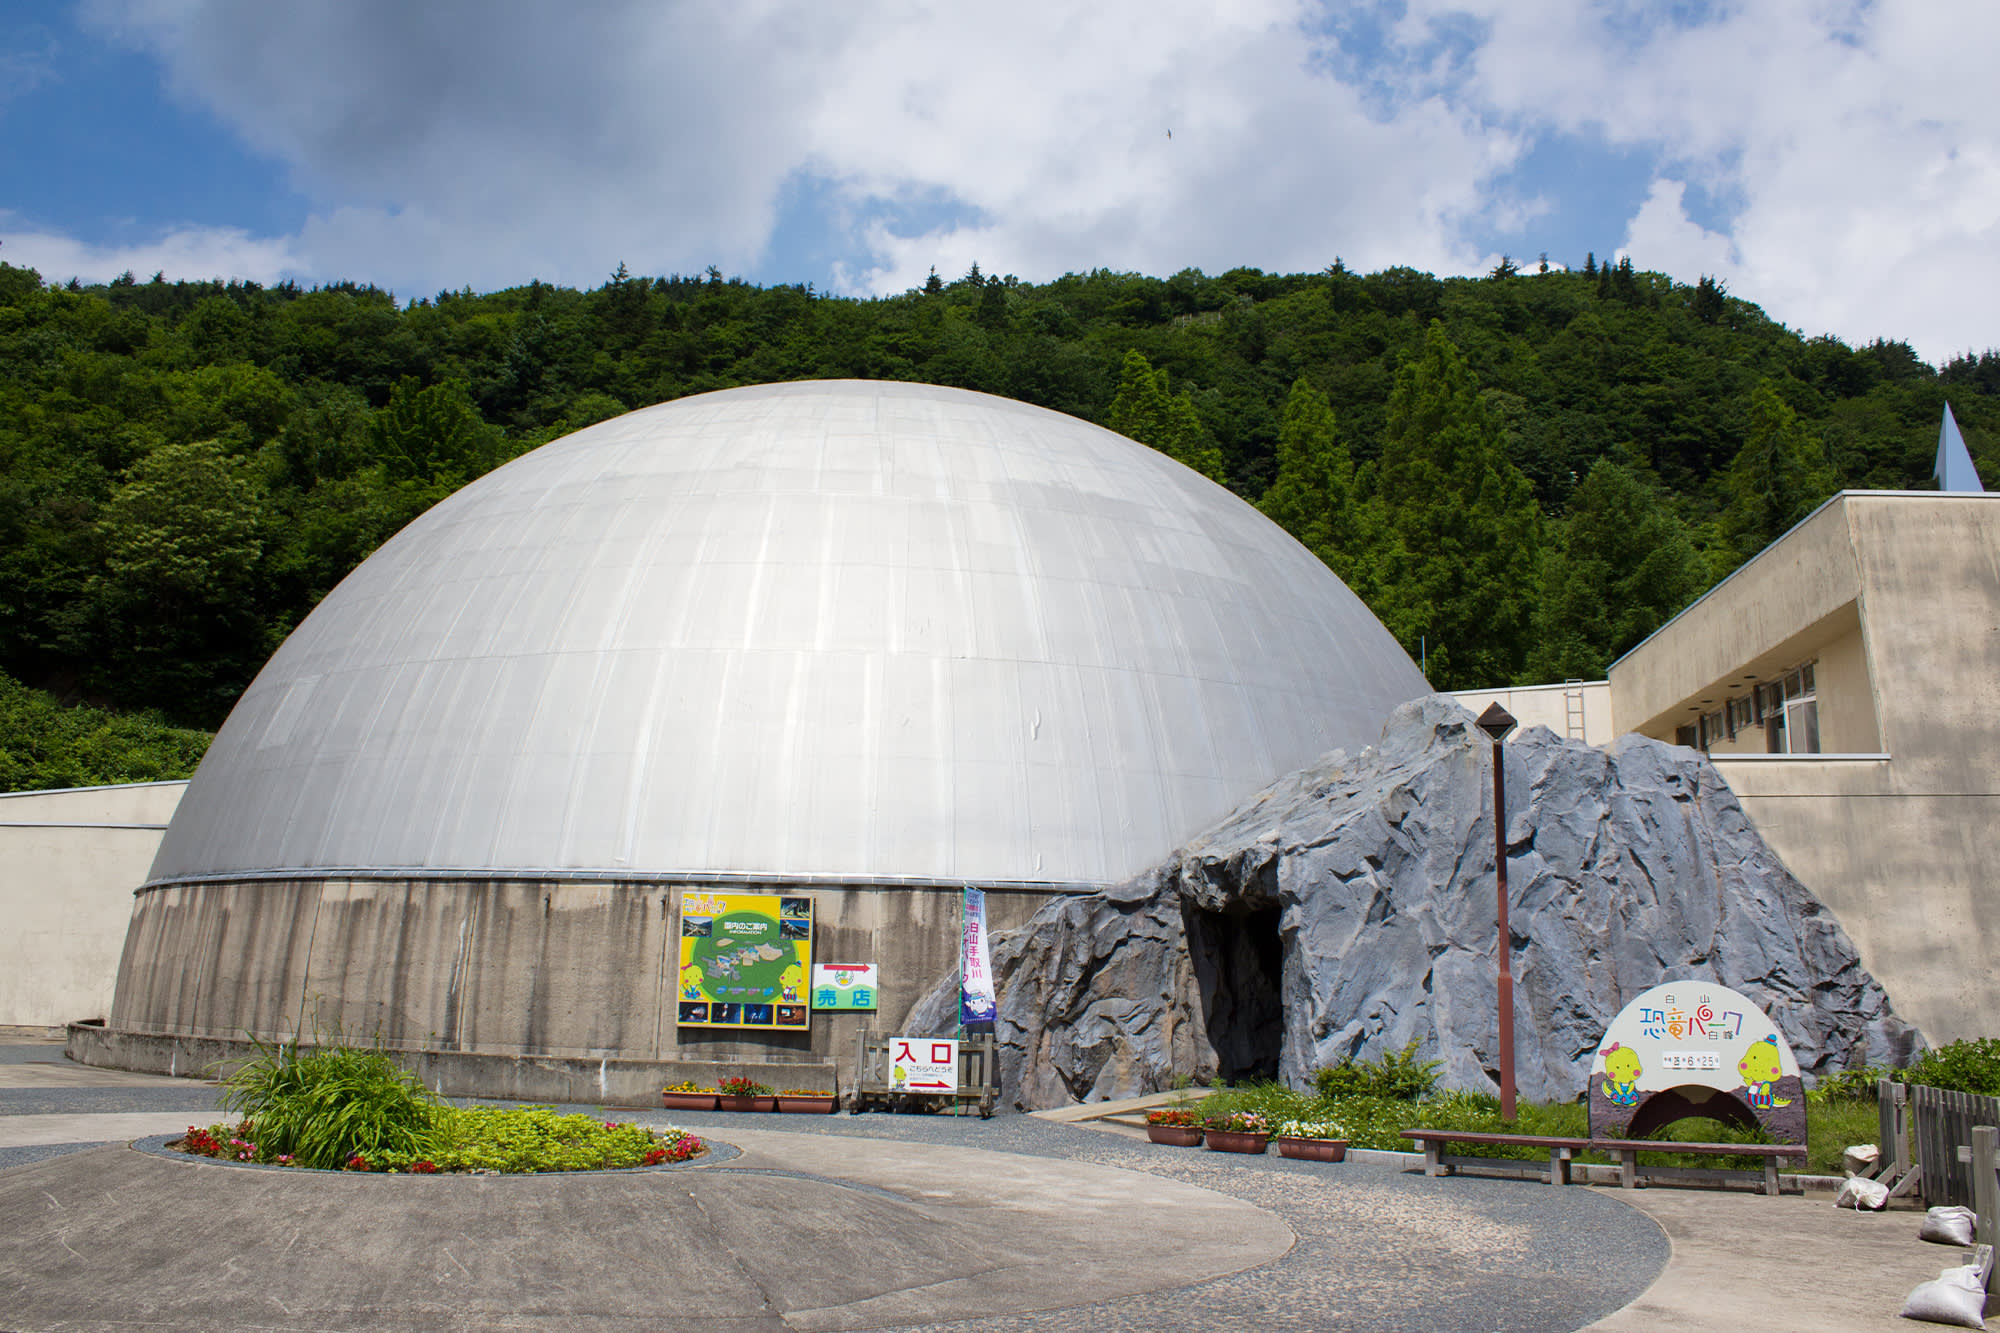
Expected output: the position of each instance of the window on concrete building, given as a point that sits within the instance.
(1791, 713)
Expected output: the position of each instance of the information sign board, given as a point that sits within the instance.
(923, 1064)
(744, 960)
(838, 986)
(1684, 1042)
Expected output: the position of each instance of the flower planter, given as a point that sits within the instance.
(689, 1101)
(1314, 1150)
(764, 1103)
(806, 1105)
(1236, 1140)
(1175, 1136)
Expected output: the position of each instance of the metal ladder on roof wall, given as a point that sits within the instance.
(1573, 709)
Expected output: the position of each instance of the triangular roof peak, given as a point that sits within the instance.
(1954, 470)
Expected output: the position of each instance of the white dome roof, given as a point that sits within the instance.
(862, 630)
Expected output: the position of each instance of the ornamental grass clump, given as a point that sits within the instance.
(326, 1107)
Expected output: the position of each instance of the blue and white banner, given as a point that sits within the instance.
(975, 993)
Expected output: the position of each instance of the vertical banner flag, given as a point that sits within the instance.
(975, 992)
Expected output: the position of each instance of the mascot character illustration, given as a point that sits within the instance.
(1760, 1069)
(691, 980)
(1621, 1075)
(790, 981)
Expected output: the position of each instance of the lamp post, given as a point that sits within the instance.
(1497, 722)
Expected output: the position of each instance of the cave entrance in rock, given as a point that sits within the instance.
(1238, 965)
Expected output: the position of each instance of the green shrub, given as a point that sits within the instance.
(1273, 1101)
(535, 1138)
(1967, 1065)
(1397, 1075)
(45, 744)
(1849, 1085)
(325, 1107)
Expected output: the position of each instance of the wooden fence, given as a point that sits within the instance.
(1941, 1139)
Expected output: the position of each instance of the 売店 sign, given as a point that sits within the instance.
(845, 986)
(923, 1064)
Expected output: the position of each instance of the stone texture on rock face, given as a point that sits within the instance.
(1627, 867)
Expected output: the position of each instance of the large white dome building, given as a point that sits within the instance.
(871, 641)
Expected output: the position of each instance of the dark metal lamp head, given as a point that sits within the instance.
(1496, 722)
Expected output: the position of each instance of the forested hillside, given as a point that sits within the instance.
(1523, 474)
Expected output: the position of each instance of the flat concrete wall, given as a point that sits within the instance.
(563, 970)
(1582, 710)
(1897, 595)
(69, 861)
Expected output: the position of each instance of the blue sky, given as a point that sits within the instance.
(1834, 160)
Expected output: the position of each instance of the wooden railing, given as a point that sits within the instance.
(978, 1076)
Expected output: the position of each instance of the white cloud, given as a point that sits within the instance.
(1671, 242)
(1856, 142)
(194, 253)
(458, 142)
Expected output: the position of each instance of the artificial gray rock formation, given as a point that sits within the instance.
(1348, 910)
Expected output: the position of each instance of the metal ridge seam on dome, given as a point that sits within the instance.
(511, 874)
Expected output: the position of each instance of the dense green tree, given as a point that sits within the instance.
(1618, 565)
(1778, 477)
(1147, 410)
(432, 434)
(173, 613)
(333, 416)
(1313, 496)
(1457, 531)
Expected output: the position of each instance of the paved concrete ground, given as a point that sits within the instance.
(1745, 1261)
(841, 1222)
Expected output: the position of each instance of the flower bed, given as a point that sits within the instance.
(687, 1097)
(514, 1140)
(1174, 1126)
(1313, 1140)
(1238, 1131)
(805, 1101)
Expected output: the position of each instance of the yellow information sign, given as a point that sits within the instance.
(745, 960)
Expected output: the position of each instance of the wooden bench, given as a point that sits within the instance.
(1561, 1151)
(1627, 1152)
(1437, 1162)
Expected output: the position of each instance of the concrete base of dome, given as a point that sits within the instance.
(558, 1079)
(545, 988)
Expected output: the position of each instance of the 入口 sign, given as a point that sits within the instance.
(923, 1064)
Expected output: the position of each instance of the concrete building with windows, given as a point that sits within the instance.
(1846, 682)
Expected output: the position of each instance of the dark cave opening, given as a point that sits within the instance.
(1238, 965)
